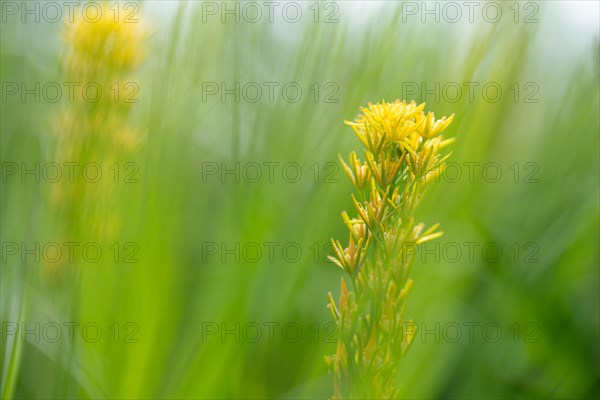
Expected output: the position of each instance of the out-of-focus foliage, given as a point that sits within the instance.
(542, 292)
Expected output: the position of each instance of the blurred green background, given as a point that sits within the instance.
(195, 317)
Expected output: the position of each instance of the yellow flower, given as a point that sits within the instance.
(101, 51)
(105, 43)
(391, 122)
(358, 173)
(382, 124)
(432, 127)
(401, 158)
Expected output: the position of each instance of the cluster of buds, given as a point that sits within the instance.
(401, 158)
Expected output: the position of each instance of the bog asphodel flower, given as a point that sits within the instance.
(401, 158)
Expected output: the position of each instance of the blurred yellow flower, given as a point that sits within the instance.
(105, 44)
(100, 53)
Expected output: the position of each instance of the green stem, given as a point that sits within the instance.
(9, 379)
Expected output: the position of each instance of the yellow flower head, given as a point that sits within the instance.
(383, 124)
(387, 122)
(103, 43)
